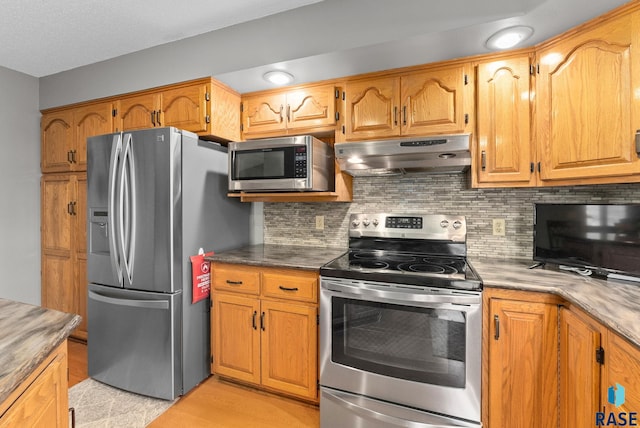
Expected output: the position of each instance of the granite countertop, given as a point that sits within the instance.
(28, 334)
(290, 256)
(614, 303)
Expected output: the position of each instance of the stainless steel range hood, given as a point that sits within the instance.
(436, 155)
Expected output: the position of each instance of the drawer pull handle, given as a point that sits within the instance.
(262, 326)
(255, 314)
(283, 288)
(234, 282)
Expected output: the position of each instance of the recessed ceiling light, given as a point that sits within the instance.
(509, 37)
(278, 77)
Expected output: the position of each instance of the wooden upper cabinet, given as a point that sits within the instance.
(263, 113)
(291, 111)
(56, 145)
(372, 108)
(587, 105)
(204, 106)
(138, 112)
(433, 101)
(185, 108)
(311, 107)
(505, 155)
(88, 121)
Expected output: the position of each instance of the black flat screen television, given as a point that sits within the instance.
(604, 239)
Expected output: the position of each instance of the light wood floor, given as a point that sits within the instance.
(217, 403)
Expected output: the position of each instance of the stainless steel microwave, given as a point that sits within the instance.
(286, 164)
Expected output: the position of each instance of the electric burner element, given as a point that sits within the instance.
(368, 264)
(427, 268)
(427, 250)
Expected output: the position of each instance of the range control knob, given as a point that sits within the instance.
(375, 222)
(457, 224)
(444, 224)
(355, 223)
(365, 222)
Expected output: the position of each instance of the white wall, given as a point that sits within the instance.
(19, 187)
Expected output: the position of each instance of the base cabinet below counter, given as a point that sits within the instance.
(599, 373)
(520, 354)
(264, 328)
(548, 363)
(42, 399)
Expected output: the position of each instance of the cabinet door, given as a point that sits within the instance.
(94, 119)
(139, 112)
(523, 357)
(56, 141)
(433, 102)
(579, 371)
(236, 337)
(372, 108)
(80, 281)
(45, 402)
(312, 107)
(224, 111)
(621, 368)
(505, 149)
(587, 108)
(290, 348)
(185, 108)
(263, 114)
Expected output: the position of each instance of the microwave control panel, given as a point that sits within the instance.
(300, 162)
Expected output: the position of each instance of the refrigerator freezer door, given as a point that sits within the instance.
(134, 340)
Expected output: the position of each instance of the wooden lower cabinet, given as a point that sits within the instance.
(64, 245)
(264, 328)
(42, 400)
(521, 351)
(595, 363)
(548, 363)
(580, 338)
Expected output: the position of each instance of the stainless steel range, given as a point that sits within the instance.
(401, 326)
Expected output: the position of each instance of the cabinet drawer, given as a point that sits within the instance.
(236, 278)
(293, 285)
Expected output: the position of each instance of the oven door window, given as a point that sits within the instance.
(419, 344)
(264, 164)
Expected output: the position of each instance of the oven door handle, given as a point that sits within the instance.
(410, 295)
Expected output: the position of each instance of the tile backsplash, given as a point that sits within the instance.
(294, 223)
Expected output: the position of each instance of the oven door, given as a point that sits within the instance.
(413, 346)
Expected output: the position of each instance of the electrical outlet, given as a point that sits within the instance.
(499, 227)
(319, 222)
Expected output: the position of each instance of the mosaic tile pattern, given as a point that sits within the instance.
(294, 223)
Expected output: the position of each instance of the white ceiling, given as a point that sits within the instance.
(325, 38)
(42, 37)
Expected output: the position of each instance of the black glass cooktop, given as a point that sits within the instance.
(449, 271)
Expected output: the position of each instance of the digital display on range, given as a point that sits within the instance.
(403, 222)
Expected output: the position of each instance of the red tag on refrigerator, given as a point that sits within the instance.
(201, 276)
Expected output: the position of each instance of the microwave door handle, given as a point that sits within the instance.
(112, 208)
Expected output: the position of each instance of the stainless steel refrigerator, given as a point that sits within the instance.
(154, 198)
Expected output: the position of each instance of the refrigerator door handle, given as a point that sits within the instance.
(128, 209)
(116, 264)
(147, 304)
